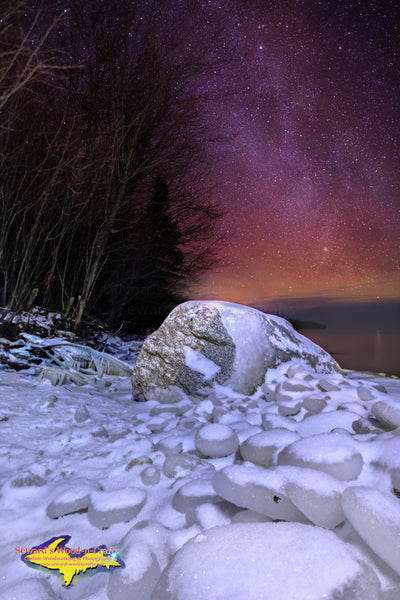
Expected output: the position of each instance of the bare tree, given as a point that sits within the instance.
(137, 98)
(91, 113)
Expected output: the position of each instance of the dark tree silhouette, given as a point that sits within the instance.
(118, 103)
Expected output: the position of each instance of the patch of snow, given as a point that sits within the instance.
(200, 363)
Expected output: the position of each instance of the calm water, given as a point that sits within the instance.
(377, 351)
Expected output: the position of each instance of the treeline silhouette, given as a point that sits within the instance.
(103, 155)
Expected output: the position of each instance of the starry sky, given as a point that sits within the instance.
(310, 178)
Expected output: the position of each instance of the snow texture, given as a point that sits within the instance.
(272, 561)
(187, 486)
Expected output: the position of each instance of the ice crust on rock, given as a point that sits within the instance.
(251, 560)
(387, 414)
(203, 343)
(258, 489)
(215, 440)
(107, 508)
(261, 447)
(333, 453)
(375, 515)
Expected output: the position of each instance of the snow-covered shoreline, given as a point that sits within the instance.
(64, 448)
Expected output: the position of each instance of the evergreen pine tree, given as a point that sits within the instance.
(161, 261)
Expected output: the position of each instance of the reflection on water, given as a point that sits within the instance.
(377, 351)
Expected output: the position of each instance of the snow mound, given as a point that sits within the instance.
(215, 440)
(261, 447)
(250, 560)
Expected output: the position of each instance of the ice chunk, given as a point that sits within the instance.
(139, 576)
(150, 476)
(249, 516)
(289, 386)
(272, 561)
(71, 496)
(333, 453)
(289, 408)
(178, 465)
(325, 422)
(259, 489)
(294, 370)
(215, 440)
(328, 386)
(315, 403)
(157, 424)
(170, 395)
(193, 493)
(81, 414)
(367, 426)
(260, 448)
(102, 432)
(376, 517)
(365, 393)
(316, 494)
(119, 435)
(388, 414)
(107, 508)
(170, 445)
(165, 408)
(272, 420)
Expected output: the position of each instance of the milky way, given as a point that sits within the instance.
(310, 180)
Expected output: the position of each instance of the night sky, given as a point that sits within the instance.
(310, 179)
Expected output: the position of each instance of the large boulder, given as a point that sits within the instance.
(202, 343)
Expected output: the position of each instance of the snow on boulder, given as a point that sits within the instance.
(107, 508)
(333, 453)
(376, 518)
(215, 441)
(203, 343)
(71, 496)
(193, 493)
(272, 561)
(261, 447)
